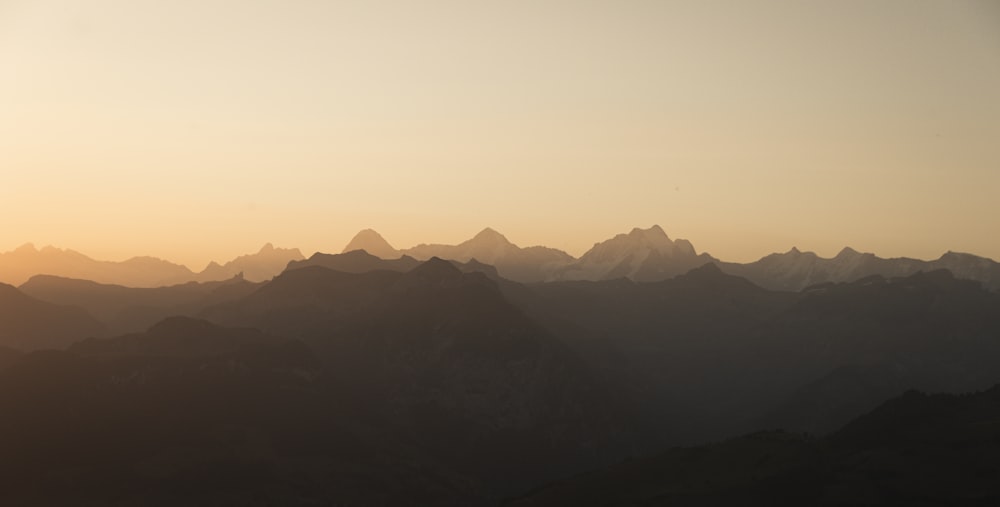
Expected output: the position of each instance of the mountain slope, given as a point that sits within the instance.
(640, 255)
(130, 309)
(373, 243)
(29, 324)
(913, 450)
(189, 413)
(258, 267)
(19, 265)
(529, 264)
(356, 261)
(795, 270)
(443, 357)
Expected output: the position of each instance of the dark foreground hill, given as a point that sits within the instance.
(380, 388)
(189, 413)
(445, 357)
(721, 356)
(913, 450)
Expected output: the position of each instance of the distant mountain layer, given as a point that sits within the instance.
(646, 255)
(373, 243)
(795, 270)
(258, 267)
(530, 264)
(19, 265)
(642, 255)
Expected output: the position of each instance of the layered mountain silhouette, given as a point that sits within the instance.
(129, 309)
(192, 413)
(727, 356)
(641, 255)
(795, 270)
(915, 449)
(365, 380)
(360, 261)
(258, 267)
(373, 243)
(29, 324)
(490, 247)
(449, 359)
(646, 255)
(19, 265)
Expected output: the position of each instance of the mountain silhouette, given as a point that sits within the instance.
(193, 413)
(915, 449)
(795, 270)
(130, 309)
(356, 261)
(724, 356)
(640, 255)
(19, 265)
(373, 243)
(455, 365)
(529, 264)
(258, 267)
(29, 324)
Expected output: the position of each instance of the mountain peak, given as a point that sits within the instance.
(654, 232)
(491, 235)
(373, 243)
(268, 247)
(435, 269)
(847, 253)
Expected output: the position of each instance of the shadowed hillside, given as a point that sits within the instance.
(913, 450)
(29, 324)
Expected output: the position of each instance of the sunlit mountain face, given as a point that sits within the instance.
(499, 253)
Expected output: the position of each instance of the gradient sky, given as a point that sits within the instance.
(198, 130)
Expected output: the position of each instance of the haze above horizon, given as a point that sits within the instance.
(198, 131)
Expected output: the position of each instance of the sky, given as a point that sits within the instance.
(196, 130)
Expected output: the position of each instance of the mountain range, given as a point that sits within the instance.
(646, 255)
(641, 255)
(352, 378)
(444, 381)
(19, 265)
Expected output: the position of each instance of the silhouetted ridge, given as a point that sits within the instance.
(915, 449)
(491, 236)
(27, 323)
(710, 269)
(435, 269)
(373, 243)
(355, 261)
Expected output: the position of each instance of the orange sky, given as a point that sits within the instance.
(199, 130)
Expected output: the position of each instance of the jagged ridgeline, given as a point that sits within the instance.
(485, 373)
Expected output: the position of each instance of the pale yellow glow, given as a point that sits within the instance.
(199, 130)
